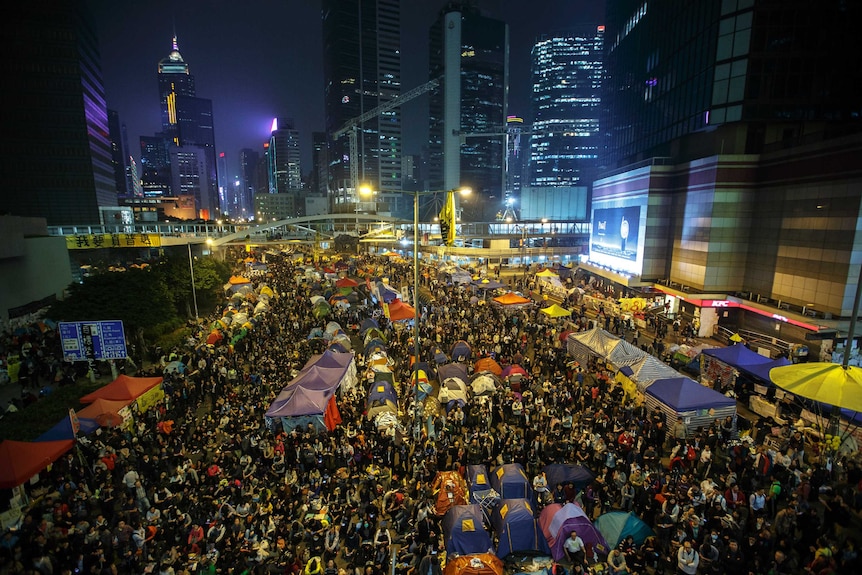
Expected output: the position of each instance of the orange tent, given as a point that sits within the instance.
(21, 460)
(487, 364)
(124, 388)
(345, 282)
(238, 280)
(476, 564)
(511, 298)
(105, 411)
(450, 489)
(398, 310)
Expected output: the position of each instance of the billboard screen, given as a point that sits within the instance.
(615, 233)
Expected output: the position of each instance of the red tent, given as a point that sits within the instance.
(124, 388)
(104, 411)
(346, 282)
(398, 310)
(21, 460)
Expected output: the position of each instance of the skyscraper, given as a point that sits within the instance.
(118, 153)
(362, 70)
(156, 166)
(483, 44)
(188, 121)
(248, 164)
(566, 99)
(285, 174)
(55, 156)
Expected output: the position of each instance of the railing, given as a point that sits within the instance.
(775, 346)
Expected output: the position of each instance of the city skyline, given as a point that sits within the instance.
(262, 62)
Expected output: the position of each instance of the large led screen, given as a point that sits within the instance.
(615, 234)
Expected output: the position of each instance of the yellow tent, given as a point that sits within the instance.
(546, 273)
(556, 311)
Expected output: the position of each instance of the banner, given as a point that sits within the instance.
(96, 241)
(447, 219)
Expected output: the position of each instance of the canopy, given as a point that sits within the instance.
(617, 525)
(477, 564)
(346, 283)
(510, 481)
(21, 460)
(104, 411)
(124, 388)
(556, 311)
(761, 370)
(449, 489)
(511, 298)
(517, 529)
(296, 401)
(557, 523)
(238, 280)
(487, 284)
(697, 405)
(63, 430)
(546, 273)
(577, 475)
(649, 369)
(624, 353)
(736, 355)
(464, 530)
(400, 311)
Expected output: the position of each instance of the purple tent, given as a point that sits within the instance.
(557, 523)
(296, 400)
(457, 370)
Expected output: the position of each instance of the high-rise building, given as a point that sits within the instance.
(188, 171)
(319, 179)
(361, 71)
(566, 104)
(483, 44)
(188, 121)
(248, 161)
(118, 153)
(55, 156)
(156, 166)
(285, 174)
(225, 195)
(734, 138)
(516, 164)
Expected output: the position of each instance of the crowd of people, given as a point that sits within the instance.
(203, 482)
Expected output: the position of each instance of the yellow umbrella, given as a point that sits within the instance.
(829, 383)
(736, 338)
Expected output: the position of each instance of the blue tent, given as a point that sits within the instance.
(375, 344)
(617, 525)
(477, 479)
(464, 530)
(510, 481)
(367, 324)
(382, 397)
(761, 370)
(461, 351)
(577, 475)
(63, 429)
(517, 529)
(684, 394)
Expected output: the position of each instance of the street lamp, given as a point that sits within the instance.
(464, 192)
(192, 272)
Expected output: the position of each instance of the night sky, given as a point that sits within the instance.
(260, 59)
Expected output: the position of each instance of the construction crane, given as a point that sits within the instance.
(351, 127)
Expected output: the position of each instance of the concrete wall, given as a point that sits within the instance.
(41, 270)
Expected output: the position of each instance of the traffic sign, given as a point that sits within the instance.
(89, 340)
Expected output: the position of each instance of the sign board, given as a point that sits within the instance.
(76, 424)
(86, 341)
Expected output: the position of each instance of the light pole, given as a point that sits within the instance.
(463, 191)
(192, 272)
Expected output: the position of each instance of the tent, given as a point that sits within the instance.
(511, 299)
(381, 398)
(464, 530)
(477, 480)
(373, 346)
(104, 411)
(62, 430)
(649, 369)
(461, 351)
(517, 529)
(400, 311)
(487, 364)
(624, 353)
(557, 523)
(123, 388)
(21, 460)
(298, 406)
(556, 311)
(453, 391)
(368, 323)
(510, 481)
(484, 383)
(577, 475)
(449, 489)
(617, 525)
(477, 564)
(696, 404)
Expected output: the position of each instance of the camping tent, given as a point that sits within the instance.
(298, 406)
(21, 460)
(484, 383)
(123, 388)
(517, 529)
(381, 398)
(682, 397)
(477, 480)
(617, 525)
(461, 351)
(510, 481)
(400, 311)
(449, 489)
(477, 564)
(578, 475)
(453, 384)
(558, 521)
(464, 530)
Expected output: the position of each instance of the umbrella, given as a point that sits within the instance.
(829, 383)
(175, 367)
(617, 525)
(736, 338)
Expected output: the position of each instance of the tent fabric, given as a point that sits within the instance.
(450, 489)
(62, 430)
(483, 384)
(511, 298)
(21, 460)
(457, 370)
(578, 475)
(617, 525)
(556, 311)
(382, 398)
(477, 564)
(464, 530)
(761, 370)
(737, 356)
(123, 388)
(477, 479)
(684, 394)
(650, 369)
(487, 364)
(624, 353)
(511, 482)
(517, 529)
(558, 521)
(400, 311)
(461, 351)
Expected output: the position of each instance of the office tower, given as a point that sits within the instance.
(483, 45)
(516, 149)
(734, 136)
(248, 162)
(361, 71)
(188, 171)
(156, 166)
(55, 159)
(284, 170)
(118, 153)
(566, 99)
(225, 195)
(319, 179)
(188, 121)
(411, 165)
